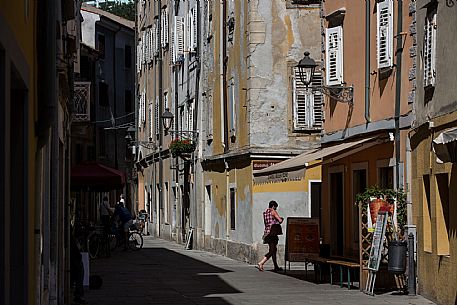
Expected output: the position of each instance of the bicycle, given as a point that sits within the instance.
(116, 238)
(98, 242)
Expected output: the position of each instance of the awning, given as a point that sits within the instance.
(445, 146)
(298, 164)
(97, 177)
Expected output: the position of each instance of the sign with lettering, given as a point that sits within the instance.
(258, 165)
(377, 243)
(302, 238)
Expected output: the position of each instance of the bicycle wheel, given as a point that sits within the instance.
(93, 245)
(135, 241)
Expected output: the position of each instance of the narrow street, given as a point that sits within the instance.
(163, 273)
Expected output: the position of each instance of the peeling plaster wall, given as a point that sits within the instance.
(278, 38)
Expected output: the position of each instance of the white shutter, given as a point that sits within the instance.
(385, 34)
(307, 105)
(144, 106)
(172, 44)
(150, 120)
(187, 32)
(194, 28)
(156, 117)
(164, 32)
(430, 50)
(334, 55)
(178, 37)
(190, 122)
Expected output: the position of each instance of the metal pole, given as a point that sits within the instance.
(411, 266)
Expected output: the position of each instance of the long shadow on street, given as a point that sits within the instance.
(156, 276)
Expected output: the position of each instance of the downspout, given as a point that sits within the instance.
(159, 67)
(398, 80)
(194, 218)
(176, 105)
(222, 70)
(367, 60)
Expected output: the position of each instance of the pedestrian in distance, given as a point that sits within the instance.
(105, 214)
(272, 222)
(76, 270)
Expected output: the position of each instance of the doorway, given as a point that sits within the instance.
(337, 210)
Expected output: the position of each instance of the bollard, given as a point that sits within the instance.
(411, 266)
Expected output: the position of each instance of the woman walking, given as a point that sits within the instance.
(272, 222)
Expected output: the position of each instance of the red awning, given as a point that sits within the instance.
(95, 176)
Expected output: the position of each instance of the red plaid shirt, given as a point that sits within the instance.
(268, 220)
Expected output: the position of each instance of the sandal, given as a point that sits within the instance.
(259, 267)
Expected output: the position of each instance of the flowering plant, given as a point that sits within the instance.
(181, 146)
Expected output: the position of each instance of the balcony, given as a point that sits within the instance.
(81, 102)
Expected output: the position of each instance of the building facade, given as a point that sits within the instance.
(433, 168)
(365, 47)
(37, 57)
(226, 73)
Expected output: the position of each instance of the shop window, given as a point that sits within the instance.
(386, 177)
(442, 214)
(427, 223)
(232, 208)
(128, 56)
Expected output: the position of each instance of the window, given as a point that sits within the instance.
(164, 32)
(334, 55)
(128, 56)
(209, 19)
(103, 98)
(232, 108)
(232, 208)
(386, 177)
(156, 116)
(442, 214)
(385, 33)
(307, 105)
(151, 120)
(429, 51)
(101, 46)
(427, 219)
(178, 39)
(128, 101)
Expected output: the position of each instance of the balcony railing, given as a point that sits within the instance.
(81, 102)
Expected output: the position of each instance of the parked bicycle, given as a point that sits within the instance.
(98, 242)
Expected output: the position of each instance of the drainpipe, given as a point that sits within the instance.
(159, 67)
(222, 70)
(398, 80)
(367, 60)
(194, 219)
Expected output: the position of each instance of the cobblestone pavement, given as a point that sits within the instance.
(163, 273)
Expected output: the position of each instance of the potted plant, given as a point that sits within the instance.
(180, 147)
(394, 203)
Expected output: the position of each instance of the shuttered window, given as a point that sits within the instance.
(232, 107)
(178, 39)
(165, 28)
(334, 55)
(385, 34)
(430, 49)
(187, 32)
(308, 104)
(156, 116)
(194, 20)
(151, 121)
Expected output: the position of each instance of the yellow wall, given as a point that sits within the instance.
(436, 221)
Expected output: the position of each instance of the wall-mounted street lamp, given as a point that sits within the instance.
(167, 119)
(131, 142)
(306, 68)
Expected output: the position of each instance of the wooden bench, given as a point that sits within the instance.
(342, 265)
(316, 261)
